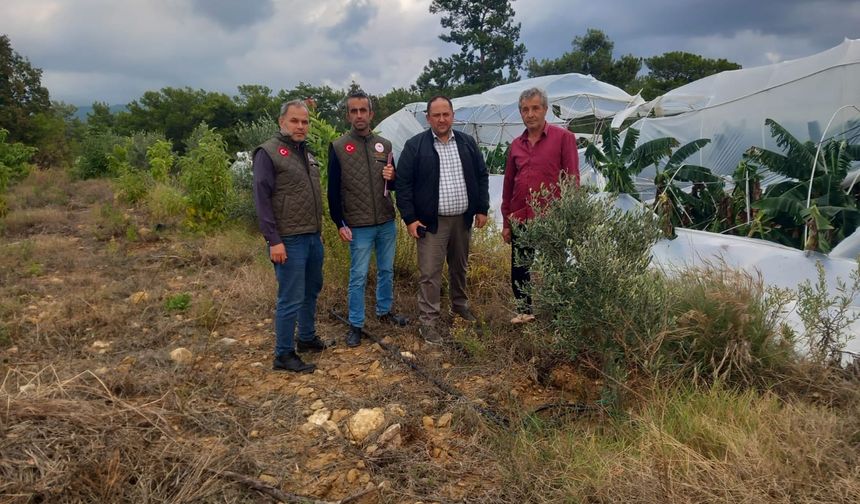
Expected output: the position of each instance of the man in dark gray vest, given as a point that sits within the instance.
(288, 199)
(360, 175)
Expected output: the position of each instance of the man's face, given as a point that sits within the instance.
(440, 116)
(358, 114)
(533, 113)
(294, 123)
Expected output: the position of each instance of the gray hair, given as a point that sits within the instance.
(531, 93)
(292, 103)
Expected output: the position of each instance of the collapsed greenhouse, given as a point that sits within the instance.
(813, 99)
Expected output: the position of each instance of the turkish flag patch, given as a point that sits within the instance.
(350, 148)
(284, 151)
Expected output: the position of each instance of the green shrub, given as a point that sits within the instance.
(161, 159)
(94, 161)
(205, 175)
(138, 145)
(178, 302)
(13, 165)
(827, 317)
(165, 203)
(599, 300)
(252, 134)
(592, 267)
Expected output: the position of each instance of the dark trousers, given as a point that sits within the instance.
(521, 262)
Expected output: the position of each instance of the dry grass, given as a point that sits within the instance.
(713, 446)
(29, 221)
(73, 440)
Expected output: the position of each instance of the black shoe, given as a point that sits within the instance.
(465, 313)
(292, 362)
(394, 319)
(353, 337)
(315, 345)
(430, 334)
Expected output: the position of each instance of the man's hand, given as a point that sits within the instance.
(506, 235)
(413, 228)
(480, 220)
(388, 172)
(278, 253)
(345, 234)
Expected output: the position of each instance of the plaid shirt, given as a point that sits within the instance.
(453, 198)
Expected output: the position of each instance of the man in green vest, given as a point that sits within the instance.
(360, 180)
(288, 200)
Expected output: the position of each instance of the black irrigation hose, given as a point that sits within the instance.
(578, 408)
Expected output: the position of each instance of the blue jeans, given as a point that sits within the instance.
(366, 239)
(299, 283)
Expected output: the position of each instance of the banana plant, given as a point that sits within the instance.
(808, 210)
(620, 161)
(700, 207)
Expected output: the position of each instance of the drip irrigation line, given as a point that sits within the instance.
(489, 413)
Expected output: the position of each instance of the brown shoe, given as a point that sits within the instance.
(522, 318)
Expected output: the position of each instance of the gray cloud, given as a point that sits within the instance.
(232, 14)
(114, 51)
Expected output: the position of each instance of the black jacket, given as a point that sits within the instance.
(417, 180)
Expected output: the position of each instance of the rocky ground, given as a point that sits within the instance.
(154, 399)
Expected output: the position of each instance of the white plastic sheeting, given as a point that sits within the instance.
(730, 108)
(493, 117)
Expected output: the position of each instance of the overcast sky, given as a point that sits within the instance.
(114, 50)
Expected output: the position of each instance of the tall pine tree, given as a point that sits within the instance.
(490, 53)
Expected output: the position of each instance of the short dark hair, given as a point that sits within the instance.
(438, 97)
(358, 93)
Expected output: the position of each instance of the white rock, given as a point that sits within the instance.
(391, 437)
(407, 355)
(320, 416)
(27, 388)
(318, 404)
(444, 420)
(182, 356)
(227, 341)
(364, 422)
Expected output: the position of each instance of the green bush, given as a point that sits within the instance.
(138, 145)
(165, 203)
(591, 267)
(205, 175)
(94, 161)
(826, 317)
(178, 302)
(161, 159)
(252, 134)
(13, 165)
(598, 300)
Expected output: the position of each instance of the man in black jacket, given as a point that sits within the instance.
(442, 188)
